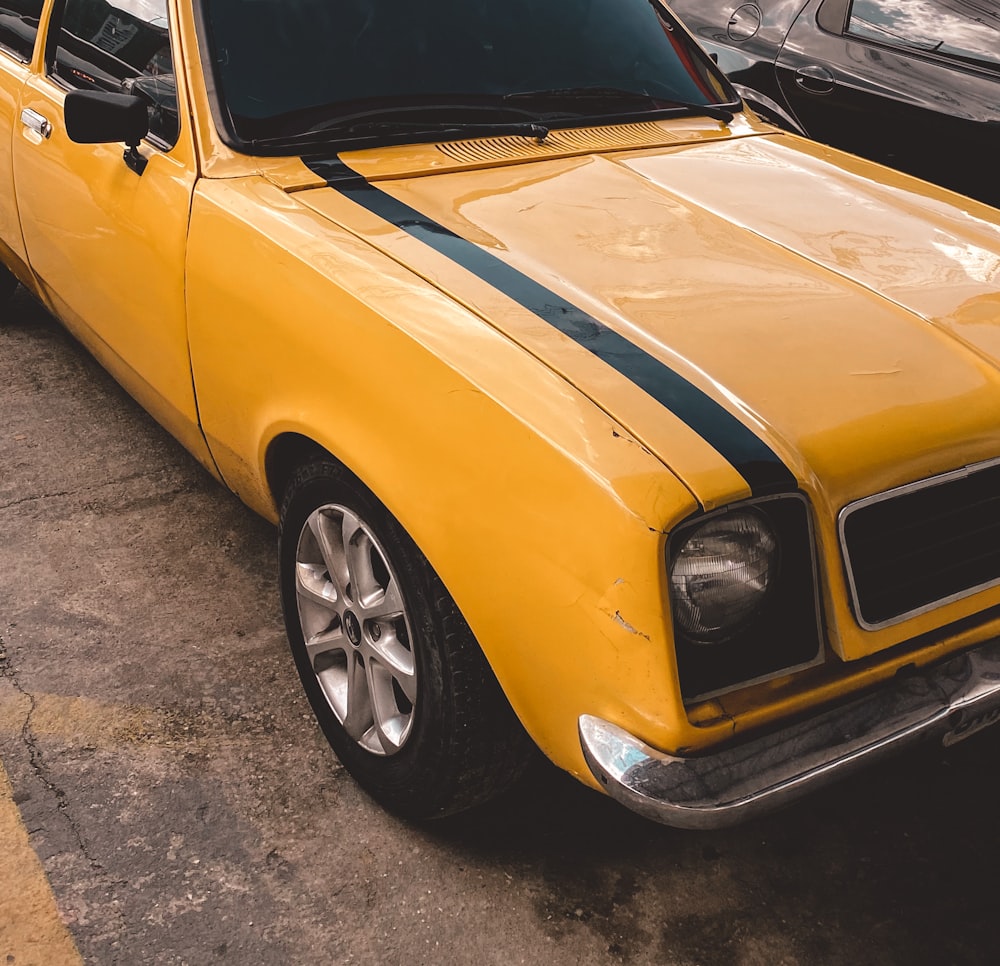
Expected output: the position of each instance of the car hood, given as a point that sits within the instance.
(852, 325)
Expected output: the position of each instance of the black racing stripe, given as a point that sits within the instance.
(755, 461)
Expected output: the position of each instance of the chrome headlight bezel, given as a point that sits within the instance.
(781, 632)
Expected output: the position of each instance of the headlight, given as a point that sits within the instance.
(721, 574)
(744, 595)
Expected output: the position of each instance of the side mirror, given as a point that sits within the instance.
(101, 117)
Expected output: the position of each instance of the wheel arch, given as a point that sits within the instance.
(284, 455)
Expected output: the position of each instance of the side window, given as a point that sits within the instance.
(19, 25)
(121, 45)
(964, 30)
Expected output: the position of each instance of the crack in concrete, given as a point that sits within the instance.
(61, 494)
(8, 671)
(34, 754)
(41, 496)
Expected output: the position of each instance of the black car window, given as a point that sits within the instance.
(123, 45)
(963, 30)
(18, 26)
(284, 66)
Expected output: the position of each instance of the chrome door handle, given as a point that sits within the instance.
(34, 121)
(815, 79)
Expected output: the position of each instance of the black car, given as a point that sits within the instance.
(910, 83)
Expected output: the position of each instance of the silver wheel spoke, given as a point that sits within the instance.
(392, 725)
(359, 719)
(324, 532)
(315, 596)
(324, 643)
(386, 602)
(312, 585)
(398, 661)
(358, 556)
(408, 685)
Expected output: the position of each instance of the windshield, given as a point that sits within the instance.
(294, 70)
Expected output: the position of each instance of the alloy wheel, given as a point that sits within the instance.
(356, 628)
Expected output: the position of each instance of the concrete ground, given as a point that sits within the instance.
(183, 808)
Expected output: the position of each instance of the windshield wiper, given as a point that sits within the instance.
(468, 118)
(718, 112)
(618, 97)
(407, 130)
(528, 129)
(433, 113)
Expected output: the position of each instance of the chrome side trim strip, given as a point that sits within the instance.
(948, 701)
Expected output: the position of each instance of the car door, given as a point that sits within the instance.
(18, 28)
(915, 85)
(106, 243)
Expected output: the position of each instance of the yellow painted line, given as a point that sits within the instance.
(84, 721)
(100, 724)
(31, 931)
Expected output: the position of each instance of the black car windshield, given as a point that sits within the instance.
(290, 72)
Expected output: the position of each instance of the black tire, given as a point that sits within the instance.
(461, 742)
(8, 285)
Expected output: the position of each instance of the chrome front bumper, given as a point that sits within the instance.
(948, 701)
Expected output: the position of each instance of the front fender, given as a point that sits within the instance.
(543, 517)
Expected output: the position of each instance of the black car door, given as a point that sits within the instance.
(913, 84)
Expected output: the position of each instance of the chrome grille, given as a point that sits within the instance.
(916, 547)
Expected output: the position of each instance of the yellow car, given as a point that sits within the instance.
(593, 410)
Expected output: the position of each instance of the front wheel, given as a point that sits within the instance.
(393, 673)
